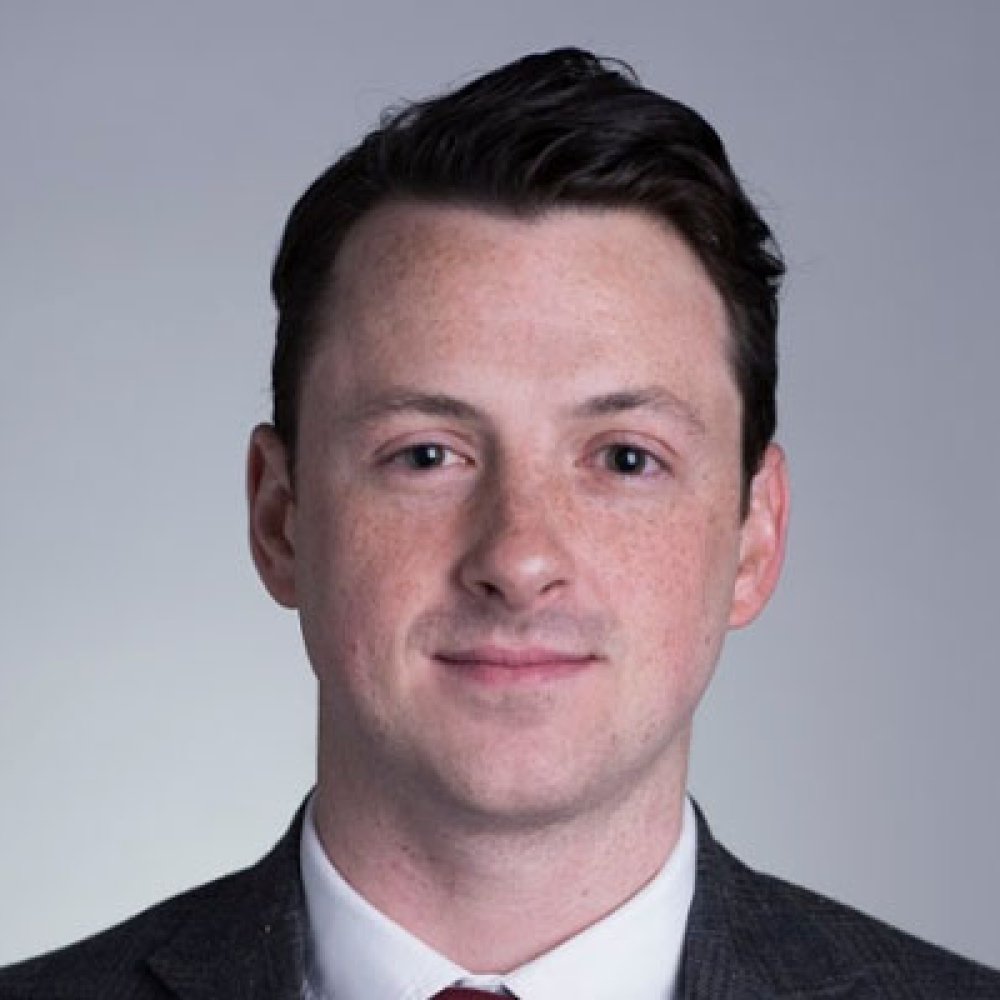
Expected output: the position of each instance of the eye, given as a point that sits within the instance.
(425, 455)
(630, 460)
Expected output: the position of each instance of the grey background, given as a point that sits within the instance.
(156, 717)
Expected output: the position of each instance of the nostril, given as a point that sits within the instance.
(490, 589)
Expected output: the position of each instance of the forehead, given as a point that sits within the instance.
(599, 270)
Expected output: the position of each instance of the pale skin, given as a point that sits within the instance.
(515, 543)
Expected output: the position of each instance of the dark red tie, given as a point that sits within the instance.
(463, 993)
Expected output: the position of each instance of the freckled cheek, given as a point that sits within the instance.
(667, 581)
(648, 559)
(367, 574)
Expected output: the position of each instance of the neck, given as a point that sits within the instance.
(489, 893)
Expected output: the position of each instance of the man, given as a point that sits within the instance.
(519, 484)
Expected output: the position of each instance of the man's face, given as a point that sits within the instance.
(514, 535)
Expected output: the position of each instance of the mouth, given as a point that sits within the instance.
(494, 664)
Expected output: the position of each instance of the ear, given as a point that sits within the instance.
(762, 539)
(271, 509)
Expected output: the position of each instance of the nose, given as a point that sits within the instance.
(517, 557)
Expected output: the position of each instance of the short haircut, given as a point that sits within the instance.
(562, 128)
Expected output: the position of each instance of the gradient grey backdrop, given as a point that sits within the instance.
(156, 719)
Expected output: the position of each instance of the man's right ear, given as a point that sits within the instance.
(271, 510)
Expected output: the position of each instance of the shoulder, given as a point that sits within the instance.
(794, 940)
(114, 963)
(792, 925)
(241, 928)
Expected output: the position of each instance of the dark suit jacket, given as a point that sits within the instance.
(750, 937)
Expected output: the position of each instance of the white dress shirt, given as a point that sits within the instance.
(355, 952)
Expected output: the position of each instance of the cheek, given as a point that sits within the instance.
(670, 558)
(361, 576)
(672, 586)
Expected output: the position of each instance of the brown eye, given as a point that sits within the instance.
(627, 460)
(425, 456)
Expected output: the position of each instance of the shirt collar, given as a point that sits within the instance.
(355, 952)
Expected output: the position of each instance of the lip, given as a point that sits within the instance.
(506, 664)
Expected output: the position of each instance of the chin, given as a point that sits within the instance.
(517, 796)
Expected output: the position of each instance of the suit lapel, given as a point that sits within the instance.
(712, 969)
(249, 943)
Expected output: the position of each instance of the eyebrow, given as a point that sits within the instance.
(431, 404)
(435, 404)
(654, 398)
